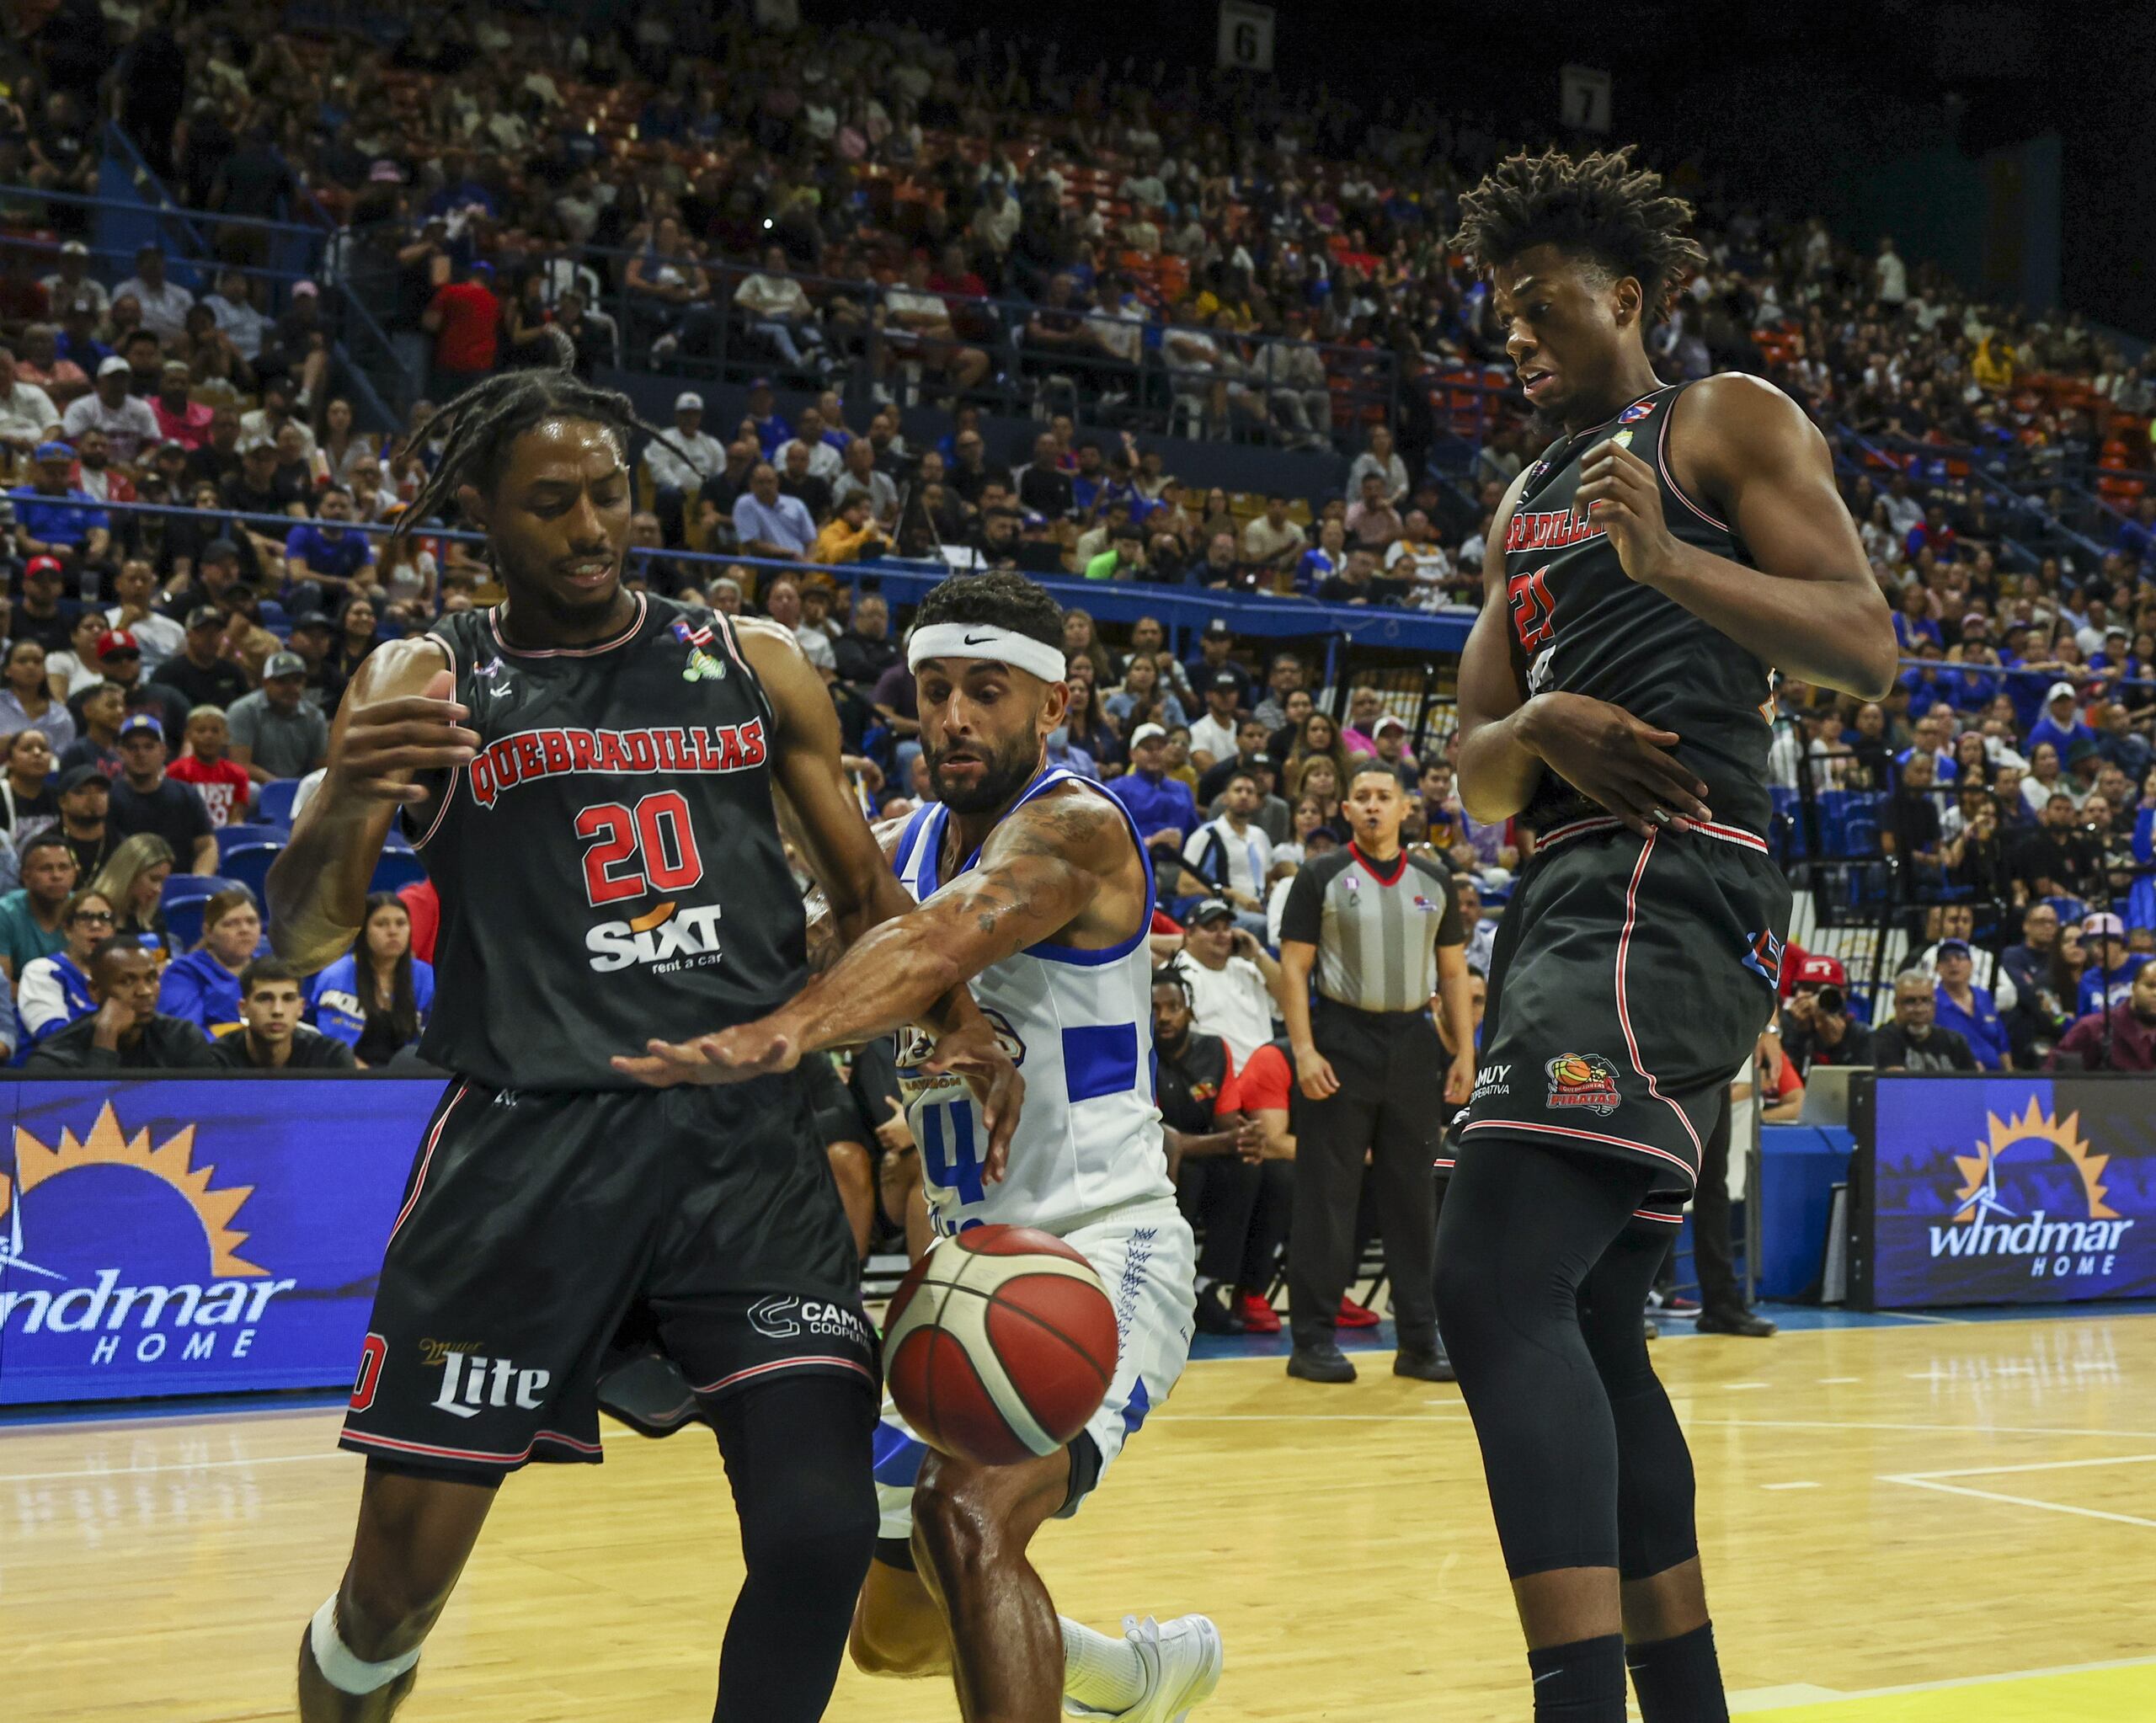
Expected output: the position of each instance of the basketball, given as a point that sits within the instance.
(999, 1344)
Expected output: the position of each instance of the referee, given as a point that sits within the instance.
(1383, 930)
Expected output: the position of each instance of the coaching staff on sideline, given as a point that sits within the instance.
(1384, 932)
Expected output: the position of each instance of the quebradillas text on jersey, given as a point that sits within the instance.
(609, 865)
(1079, 1025)
(1580, 625)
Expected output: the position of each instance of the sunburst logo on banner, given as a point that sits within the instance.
(108, 1145)
(1979, 1192)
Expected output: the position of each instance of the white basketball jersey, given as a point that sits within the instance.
(1079, 1024)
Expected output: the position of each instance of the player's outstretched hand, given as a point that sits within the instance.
(972, 1051)
(1609, 756)
(386, 740)
(1620, 495)
(731, 1056)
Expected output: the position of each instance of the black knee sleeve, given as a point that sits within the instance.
(797, 1454)
(1523, 1228)
(1656, 1524)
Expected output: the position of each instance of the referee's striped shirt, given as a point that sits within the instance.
(1377, 927)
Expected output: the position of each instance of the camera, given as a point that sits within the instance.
(1831, 1001)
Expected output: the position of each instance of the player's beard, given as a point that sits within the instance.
(1007, 771)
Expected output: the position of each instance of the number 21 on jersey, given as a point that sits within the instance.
(1533, 615)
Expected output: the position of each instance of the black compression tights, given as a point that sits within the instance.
(1542, 1281)
(797, 1456)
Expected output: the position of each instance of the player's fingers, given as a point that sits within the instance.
(657, 1073)
(389, 790)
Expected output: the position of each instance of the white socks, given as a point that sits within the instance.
(1100, 1674)
(341, 1668)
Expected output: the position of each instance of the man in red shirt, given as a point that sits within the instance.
(465, 319)
(223, 784)
(180, 419)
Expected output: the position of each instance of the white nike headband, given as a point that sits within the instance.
(984, 640)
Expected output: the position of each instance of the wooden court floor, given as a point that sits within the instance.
(1919, 1522)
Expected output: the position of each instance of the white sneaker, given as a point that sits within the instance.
(1182, 1659)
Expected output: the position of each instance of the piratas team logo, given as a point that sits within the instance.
(1584, 1080)
(2005, 1186)
(183, 1277)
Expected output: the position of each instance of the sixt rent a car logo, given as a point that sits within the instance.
(185, 1288)
(2005, 1184)
(530, 756)
(662, 940)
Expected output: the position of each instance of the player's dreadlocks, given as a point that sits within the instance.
(1600, 206)
(478, 427)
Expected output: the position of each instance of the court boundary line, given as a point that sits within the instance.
(1948, 1684)
(1934, 1480)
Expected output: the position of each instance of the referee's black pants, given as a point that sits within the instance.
(1714, 1247)
(1390, 1105)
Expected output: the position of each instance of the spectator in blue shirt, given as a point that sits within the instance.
(203, 986)
(1161, 807)
(323, 555)
(2061, 725)
(2109, 979)
(52, 513)
(375, 998)
(1960, 1004)
(773, 433)
(769, 523)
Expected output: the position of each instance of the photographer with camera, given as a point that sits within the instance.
(1817, 1027)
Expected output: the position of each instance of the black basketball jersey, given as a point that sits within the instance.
(609, 866)
(1581, 625)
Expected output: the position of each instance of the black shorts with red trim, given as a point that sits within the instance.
(1629, 983)
(538, 1225)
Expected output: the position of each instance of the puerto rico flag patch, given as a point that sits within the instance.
(1636, 411)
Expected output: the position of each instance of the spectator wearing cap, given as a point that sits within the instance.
(42, 614)
(1968, 1010)
(1817, 1028)
(271, 1036)
(324, 559)
(54, 516)
(681, 462)
(72, 280)
(225, 788)
(223, 570)
(275, 732)
(1213, 736)
(2111, 966)
(1232, 977)
(27, 415)
(1161, 807)
(1958, 920)
(180, 419)
(126, 1032)
(1389, 738)
(2061, 724)
(85, 819)
(313, 638)
(268, 421)
(144, 799)
(2121, 1038)
(464, 318)
(164, 301)
(201, 673)
(1214, 645)
(124, 418)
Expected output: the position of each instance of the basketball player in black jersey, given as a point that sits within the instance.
(591, 776)
(1670, 549)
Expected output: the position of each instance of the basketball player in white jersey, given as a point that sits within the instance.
(1035, 890)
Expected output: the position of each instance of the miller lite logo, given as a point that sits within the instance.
(472, 1380)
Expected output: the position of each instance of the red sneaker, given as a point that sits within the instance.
(1258, 1317)
(1355, 1316)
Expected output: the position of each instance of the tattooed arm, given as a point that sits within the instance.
(1063, 869)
